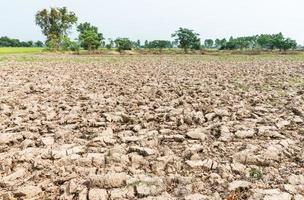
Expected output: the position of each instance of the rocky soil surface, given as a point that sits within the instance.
(151, 128)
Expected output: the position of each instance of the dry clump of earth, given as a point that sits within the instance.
(151, 127)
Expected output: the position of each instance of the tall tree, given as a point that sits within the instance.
(55, 23)
(187, 39)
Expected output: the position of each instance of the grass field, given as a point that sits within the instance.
(19, 50)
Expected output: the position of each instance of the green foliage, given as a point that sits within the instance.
(53, 42)
(159, 44)
(276, 41)
(10, 42)
(208, 43)
(146, 45)
(89, 37)
(55, 23)
(256, 173)
(187, 39)
(75, 47)
(123, 44)
(38, 44)
(110, 44)
(65, 43)
(264, 41)
(137, 44)
(238, 43)
(289, 44)
(89, 40)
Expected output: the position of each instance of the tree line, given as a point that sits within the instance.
(263, 41)
(11, 42)
(56, 24)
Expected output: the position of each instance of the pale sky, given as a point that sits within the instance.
(157, 19)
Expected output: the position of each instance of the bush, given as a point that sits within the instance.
(123, 44)
(75, 47)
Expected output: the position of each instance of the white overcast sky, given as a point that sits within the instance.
(157, 19)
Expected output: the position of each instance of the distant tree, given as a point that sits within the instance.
(223, 43)
(55, 23)
(238, 43)
(230, 45)
(38, 44)
(103, 44)
(288, 44)
(208, 43)
(217, 43)
(11, 42)
(89, 40)
(26, 44)
(110, 44)
(138, 44)
(160, 44)
(123, 44)
(75, 47)
(187, 39)
(30, 43)
(146, 45)
(89, 37)
(266, 41)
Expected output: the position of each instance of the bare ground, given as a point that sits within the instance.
(168, 127)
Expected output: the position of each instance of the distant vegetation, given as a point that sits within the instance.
(10, 42)
(264, 41)
(56, 24)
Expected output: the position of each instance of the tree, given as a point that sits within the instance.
(223, 43)
(38, 44)
(55, 23)
(65, 43)
(289, 44)
(110, 44)
(75, 47)
(276, 41)
(138, 44)
(11, 42)
(160, 44)
(89, 37)
(146, 45)
(217, 43)
(266, 41)
(186, 39)
(208, 43)
(123, 44)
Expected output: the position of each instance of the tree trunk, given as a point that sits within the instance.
(185, 50)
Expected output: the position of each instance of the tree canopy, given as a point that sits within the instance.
(123, 44)
(55, 23)
(89, 37)
(187, 39)
(159, 44)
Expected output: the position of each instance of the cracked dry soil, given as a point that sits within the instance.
(151, 127)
